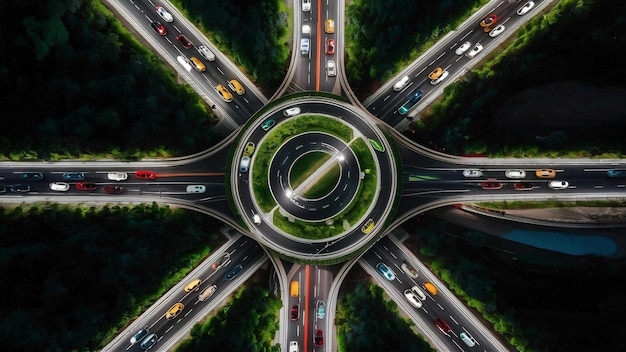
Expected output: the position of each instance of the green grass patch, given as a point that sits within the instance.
(306, 229)
(325, 184)
(305, 166)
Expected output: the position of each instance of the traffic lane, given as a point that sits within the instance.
(246, 255)
(157, 323)
(295, 329)
(473, 33)
(246, 106)
(431, 307)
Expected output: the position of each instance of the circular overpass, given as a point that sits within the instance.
(314, 179)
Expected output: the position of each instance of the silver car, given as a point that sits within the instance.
(475, 50)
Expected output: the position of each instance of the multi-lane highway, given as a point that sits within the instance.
(218, 72)
(240, 253)
(385, 102)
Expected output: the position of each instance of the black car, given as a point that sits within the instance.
(3, 189)
(231, 274)
(32, 176)
(20, 188)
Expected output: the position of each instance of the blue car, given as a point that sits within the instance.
(74, 176)
(616, 173)
(268, 124)
(385, 271)
(231, 274)
(32, 176)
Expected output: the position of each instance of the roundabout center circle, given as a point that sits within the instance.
(293, 201)
(306, 166)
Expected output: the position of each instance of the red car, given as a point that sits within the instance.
(158, 27)
(86, 186)
(145, 175)
(523, 186)
(186, 43)
(491, 185)
(330, 46)
(489, 21)
(319, 338)
(294, 312)
(443, 326)
(113, 189)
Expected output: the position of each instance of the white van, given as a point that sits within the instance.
(293, 346)
(184, 63)
(304, 46)
(401, 83)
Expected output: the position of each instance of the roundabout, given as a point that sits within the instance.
(319, 185)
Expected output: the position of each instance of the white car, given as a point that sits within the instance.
(412, 298)
(60, 186)
(441, 78)
(558, 184)
(496, 31)
(332, 70)
(515, 173)
(292, 111)
(256, 219)
(418, 292)
(401, 83)
(463, 48)
(409, 270)
(469, 340)
(306, 5)
(475, 50)
(117, 176)
(206, 53)
(166, 16)
(196, 189)
(524, 9)
(472, 173)
(208, 292)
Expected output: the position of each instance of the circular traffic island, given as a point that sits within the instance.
(313, 181)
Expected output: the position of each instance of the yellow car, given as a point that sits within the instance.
(330, 26)
(545, 173)
(249, 149)
(236, 87)
(224, 93)
(192, 285)
(436, 73)
(174, 311)
(368, 227)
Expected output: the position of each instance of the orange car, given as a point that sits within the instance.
(545, 173)
(436, 73)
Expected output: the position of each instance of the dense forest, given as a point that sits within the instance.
(248, 322)
(384, 36)
(74, 275)
(367, 320)
(76, 82)
(543, 94)
(539, 300)
(254, 33)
